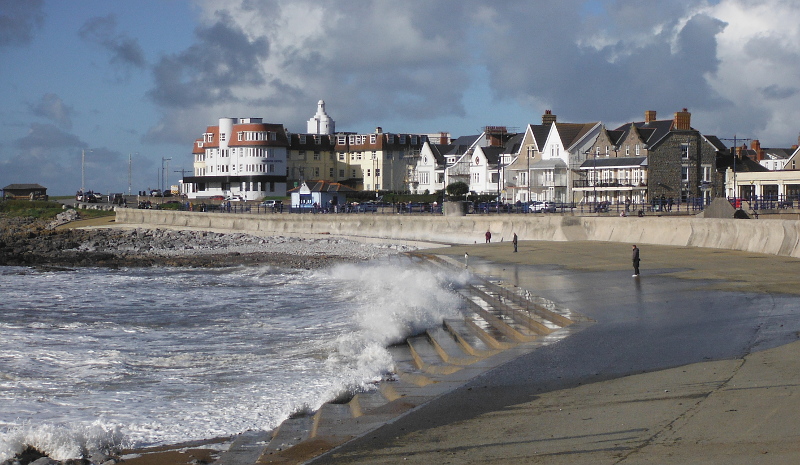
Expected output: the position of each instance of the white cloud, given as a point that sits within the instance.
(733, 63)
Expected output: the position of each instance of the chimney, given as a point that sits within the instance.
(683, 121)
(755, 146)
(548, 117)
(649, 116)
(379, 130)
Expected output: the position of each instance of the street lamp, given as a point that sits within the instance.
(83, 169)
(129, 171)
(162, 173)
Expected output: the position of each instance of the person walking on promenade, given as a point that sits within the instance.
(514, 240)
(488, 236)
(635, 257)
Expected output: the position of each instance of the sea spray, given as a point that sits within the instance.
(389, 302)
(165, 355)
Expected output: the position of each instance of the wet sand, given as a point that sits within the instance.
(693, 362)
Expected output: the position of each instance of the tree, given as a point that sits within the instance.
(457, 189)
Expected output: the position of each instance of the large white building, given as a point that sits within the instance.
(240, 157)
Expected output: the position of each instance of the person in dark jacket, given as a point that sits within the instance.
(635, 258)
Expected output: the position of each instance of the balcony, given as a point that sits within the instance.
(588, 184)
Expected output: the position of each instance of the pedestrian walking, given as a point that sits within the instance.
(514, 240)
(466, 260)
(488, 236)
(635, 258)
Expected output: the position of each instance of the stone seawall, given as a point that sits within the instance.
(777, 237)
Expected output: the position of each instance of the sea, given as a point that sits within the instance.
(108, 359)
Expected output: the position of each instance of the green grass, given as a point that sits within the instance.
(43, 209)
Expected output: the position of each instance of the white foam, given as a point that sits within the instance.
(164, 356)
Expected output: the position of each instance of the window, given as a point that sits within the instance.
(316, 155)
(706, 174)
(316, 171)
(271, 168)
(354, 173)
(341, 173)
(684, 151)
(424, 177)
(302, 138)
(330, 172)
(637, 150)
(373, 138)
(685, 173)
(341, 156)
(402, 138)
(368, 172)
(627, 150)
(414, 140)
(221, 136)
(341, 140)
(377, 172)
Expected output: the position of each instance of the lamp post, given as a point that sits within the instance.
(130, 165)
(162, 173)
(83, 169)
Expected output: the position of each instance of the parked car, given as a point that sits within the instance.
(542, 207)
(271, 203)
(216, 197)
(234, 198)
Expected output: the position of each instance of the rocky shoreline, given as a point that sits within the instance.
(33, 243)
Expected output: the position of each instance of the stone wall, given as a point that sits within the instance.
(777, 237)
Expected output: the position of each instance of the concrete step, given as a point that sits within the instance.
(469, 340)
(291, 432)
(521, 316)
(406, 368)
(512, 330)
(245, 449)
(543, 308)
(448, 347)
(366, 402)
(427, 358)
(329, 419)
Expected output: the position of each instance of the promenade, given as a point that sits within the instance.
(693, 362)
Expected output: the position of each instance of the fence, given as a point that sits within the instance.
(656, 206)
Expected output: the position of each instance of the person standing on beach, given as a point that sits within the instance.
(635, 258)
(488, 236)
(514, 240)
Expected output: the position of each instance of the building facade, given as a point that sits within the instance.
(242, 157)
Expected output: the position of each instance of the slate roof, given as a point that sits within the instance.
(493, 154)
(651, 133)
(23, 187)
(718, 144)
(462, 144)
(572, 132)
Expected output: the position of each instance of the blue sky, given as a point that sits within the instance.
(144, 78)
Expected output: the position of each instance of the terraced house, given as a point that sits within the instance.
(651, 160)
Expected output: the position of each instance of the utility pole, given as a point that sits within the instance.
(733, 152)
(83, 169)
(183, 174)
(163, 180)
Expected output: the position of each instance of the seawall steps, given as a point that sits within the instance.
(500, 323)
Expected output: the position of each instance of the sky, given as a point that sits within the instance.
(97, 92)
